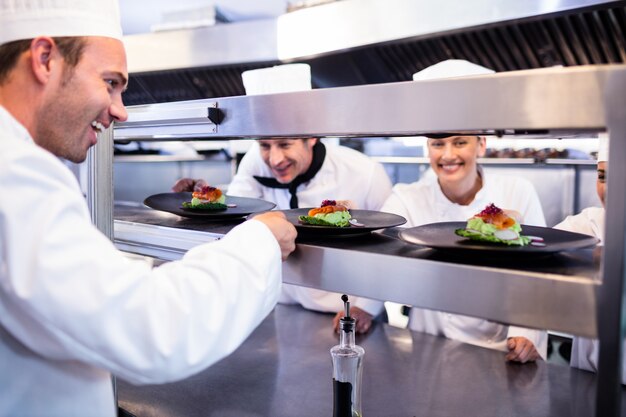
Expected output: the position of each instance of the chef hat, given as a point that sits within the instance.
(277, 79)
(27, 19)
(603, 150)
(451, 68)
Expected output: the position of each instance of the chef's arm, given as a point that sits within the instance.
(243, 183)
(68, 294)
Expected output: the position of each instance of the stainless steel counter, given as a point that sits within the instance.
(284, 369)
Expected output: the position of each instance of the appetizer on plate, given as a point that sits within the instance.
(208, 198)
(328, 214)
(495, 226)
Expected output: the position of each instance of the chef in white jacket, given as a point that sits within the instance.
(455, 189)
(590, 221)
(73, 309)
(302, 173)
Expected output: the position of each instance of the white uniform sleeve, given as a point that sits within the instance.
(373, 307)
(379, 190)
(590, 221)
(395, 205)
(532, 212)
(68, 294)
(243, 183)
(572, 224)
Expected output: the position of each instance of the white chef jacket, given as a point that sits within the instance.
(346, 174)
(423, 202)
(74, 310)
(590, 222)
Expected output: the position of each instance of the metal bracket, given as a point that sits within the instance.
(215, 115)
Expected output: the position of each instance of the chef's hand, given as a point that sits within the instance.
(362, 317)
(188, 184)
(284, 232)
(521, 350)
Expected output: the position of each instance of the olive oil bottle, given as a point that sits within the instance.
(347, 359)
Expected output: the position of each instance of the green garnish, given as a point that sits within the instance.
(197, 204)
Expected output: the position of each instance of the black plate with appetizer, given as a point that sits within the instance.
(231, 207)
(542, 240)
(360, 222)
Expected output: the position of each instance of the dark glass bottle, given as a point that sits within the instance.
(347, 358)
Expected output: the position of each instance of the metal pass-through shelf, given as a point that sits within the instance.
(541, 103)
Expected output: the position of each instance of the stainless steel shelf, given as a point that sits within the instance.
(547, 102)
(157, 158)
(511, 292)
(410, 160)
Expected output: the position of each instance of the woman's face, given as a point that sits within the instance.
(601, 181)
(454, 158)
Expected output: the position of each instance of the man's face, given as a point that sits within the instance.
(81, 101)
(287, 158)
(454, 158)
(601, 181)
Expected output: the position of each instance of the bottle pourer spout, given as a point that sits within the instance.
(346, 306)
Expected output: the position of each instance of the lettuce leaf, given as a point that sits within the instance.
(475, 235)
(320, 221)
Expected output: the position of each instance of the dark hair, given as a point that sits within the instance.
(71, 49)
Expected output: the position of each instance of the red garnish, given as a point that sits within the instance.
(496, 216)
(208, 193)
(490, 210)
(207, 189)
(328, 203)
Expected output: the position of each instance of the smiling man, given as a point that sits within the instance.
(298, 173)
(73, 309)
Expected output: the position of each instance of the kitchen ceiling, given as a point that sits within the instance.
(370, 42)
(138, 16)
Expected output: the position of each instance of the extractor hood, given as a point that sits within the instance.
(357, 42)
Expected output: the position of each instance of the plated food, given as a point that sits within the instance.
(208, 198)
(330, 213)
(493, 225)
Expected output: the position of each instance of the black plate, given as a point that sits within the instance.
(173, 203)
(371, 220)
(441, 236)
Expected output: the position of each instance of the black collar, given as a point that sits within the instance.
(319, 154)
